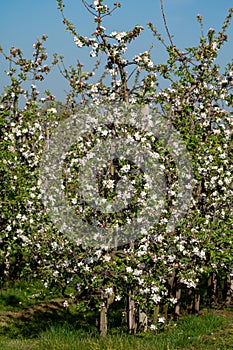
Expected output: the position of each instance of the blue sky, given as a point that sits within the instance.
(21, 22)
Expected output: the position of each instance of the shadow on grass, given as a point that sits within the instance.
(10, 300)
(30, 322)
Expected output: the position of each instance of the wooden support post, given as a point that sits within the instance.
(131, 308)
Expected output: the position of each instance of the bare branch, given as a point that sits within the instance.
(88, 7)
(165, 23)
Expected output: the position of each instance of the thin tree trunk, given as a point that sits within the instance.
(177, 307)
(103, 327)
(196, 301)
(131, 319)
(214, 284)
(142, 321)
(189, 302)
(229, 289)
(156, 314)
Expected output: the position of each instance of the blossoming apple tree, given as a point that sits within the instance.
(160, 269)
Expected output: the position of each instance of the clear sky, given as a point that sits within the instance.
(22, 21)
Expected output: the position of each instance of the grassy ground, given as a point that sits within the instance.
(31, 320)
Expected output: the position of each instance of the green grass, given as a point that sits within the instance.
(21, 294)
(27, 322)
(204, 332)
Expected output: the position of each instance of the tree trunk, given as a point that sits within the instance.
(103, 327)
(229, 290)
(214, 290)
(177, 307)
(196, 301)
(131, 319)
(142, 321)
(156, 314)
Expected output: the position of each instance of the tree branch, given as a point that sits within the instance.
(165, 23)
